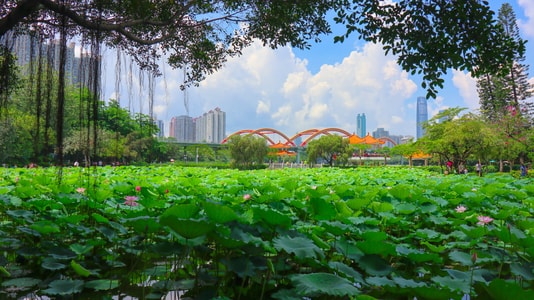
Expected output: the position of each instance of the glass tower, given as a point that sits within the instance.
(422, 116)
(361, 129)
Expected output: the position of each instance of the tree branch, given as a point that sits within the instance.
(21, 11)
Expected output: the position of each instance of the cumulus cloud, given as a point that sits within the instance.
(527, 25)
(467, 87)
(274, 88)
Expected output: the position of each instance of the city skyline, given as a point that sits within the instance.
(210, 127)
(326, 86)
(293, 90)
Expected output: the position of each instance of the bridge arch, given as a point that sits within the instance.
(263, 132)
(290, 141)
(315, 132)
(388, 139)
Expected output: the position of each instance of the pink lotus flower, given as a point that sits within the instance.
(460, 209)
(483, 220)
(138, 189)
(131, 200)
(80, 190)
(246, 197)
(474, 257)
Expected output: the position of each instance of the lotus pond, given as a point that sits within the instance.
(145, 232)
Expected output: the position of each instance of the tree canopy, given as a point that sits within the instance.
(428, 36)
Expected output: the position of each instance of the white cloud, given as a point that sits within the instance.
(467, 87)
(527, 25)
(263, 107)
(274, 88)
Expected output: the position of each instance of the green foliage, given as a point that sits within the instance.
(247, 152)
(430, 37)
(328, 148)
(425, 35)
(326, 233)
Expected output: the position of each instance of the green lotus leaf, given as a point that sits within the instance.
(380, 207)
(52, 264)
(243, 266)
(189, 229)
(22, 283)
(64, 287)
(376, 247)
(11, 200)
(323, 284)
(99, 218)
(74, 219)
(349, 249)
(433, 293)
(26, 214)
(453, 284)
(428, 234)
(45, 227)
(79, 269)
(181, 211)
(474, 232)
(500, 289)
(4, 272)
(358, 203)
(428, 208)
(365, 297)
(109, 233)
(156, 271)
(375, 265)
(61, 253)
(322, 209)
(461, 257)
(170, 285)
(405, 208)
(380, 281)
(219, 213)
(346, 271)
(81, 249)
(102, 284)
(285, 294)
(272, 217)
(335, 227)
(401, 192)
(524, 270)
(143, 224)
(407, 283)
(300, 246)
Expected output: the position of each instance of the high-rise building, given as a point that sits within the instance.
(182, 129)
(161, 127)
(380, 132)
(421, 117)
(211, 126)
(208, 128)
(361, 124)
(28, 48)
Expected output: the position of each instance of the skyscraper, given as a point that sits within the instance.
(28, 48)
(211, 126)
(182, 129)
(422, 116)
(361, 129)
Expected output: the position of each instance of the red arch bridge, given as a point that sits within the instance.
(271, 135)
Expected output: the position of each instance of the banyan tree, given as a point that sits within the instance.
(429, 37)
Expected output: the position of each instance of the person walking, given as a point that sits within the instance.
(523, 169)
(479, 168)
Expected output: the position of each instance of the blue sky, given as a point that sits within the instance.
(293, 90)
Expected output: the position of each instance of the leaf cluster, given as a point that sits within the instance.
(320, 233)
